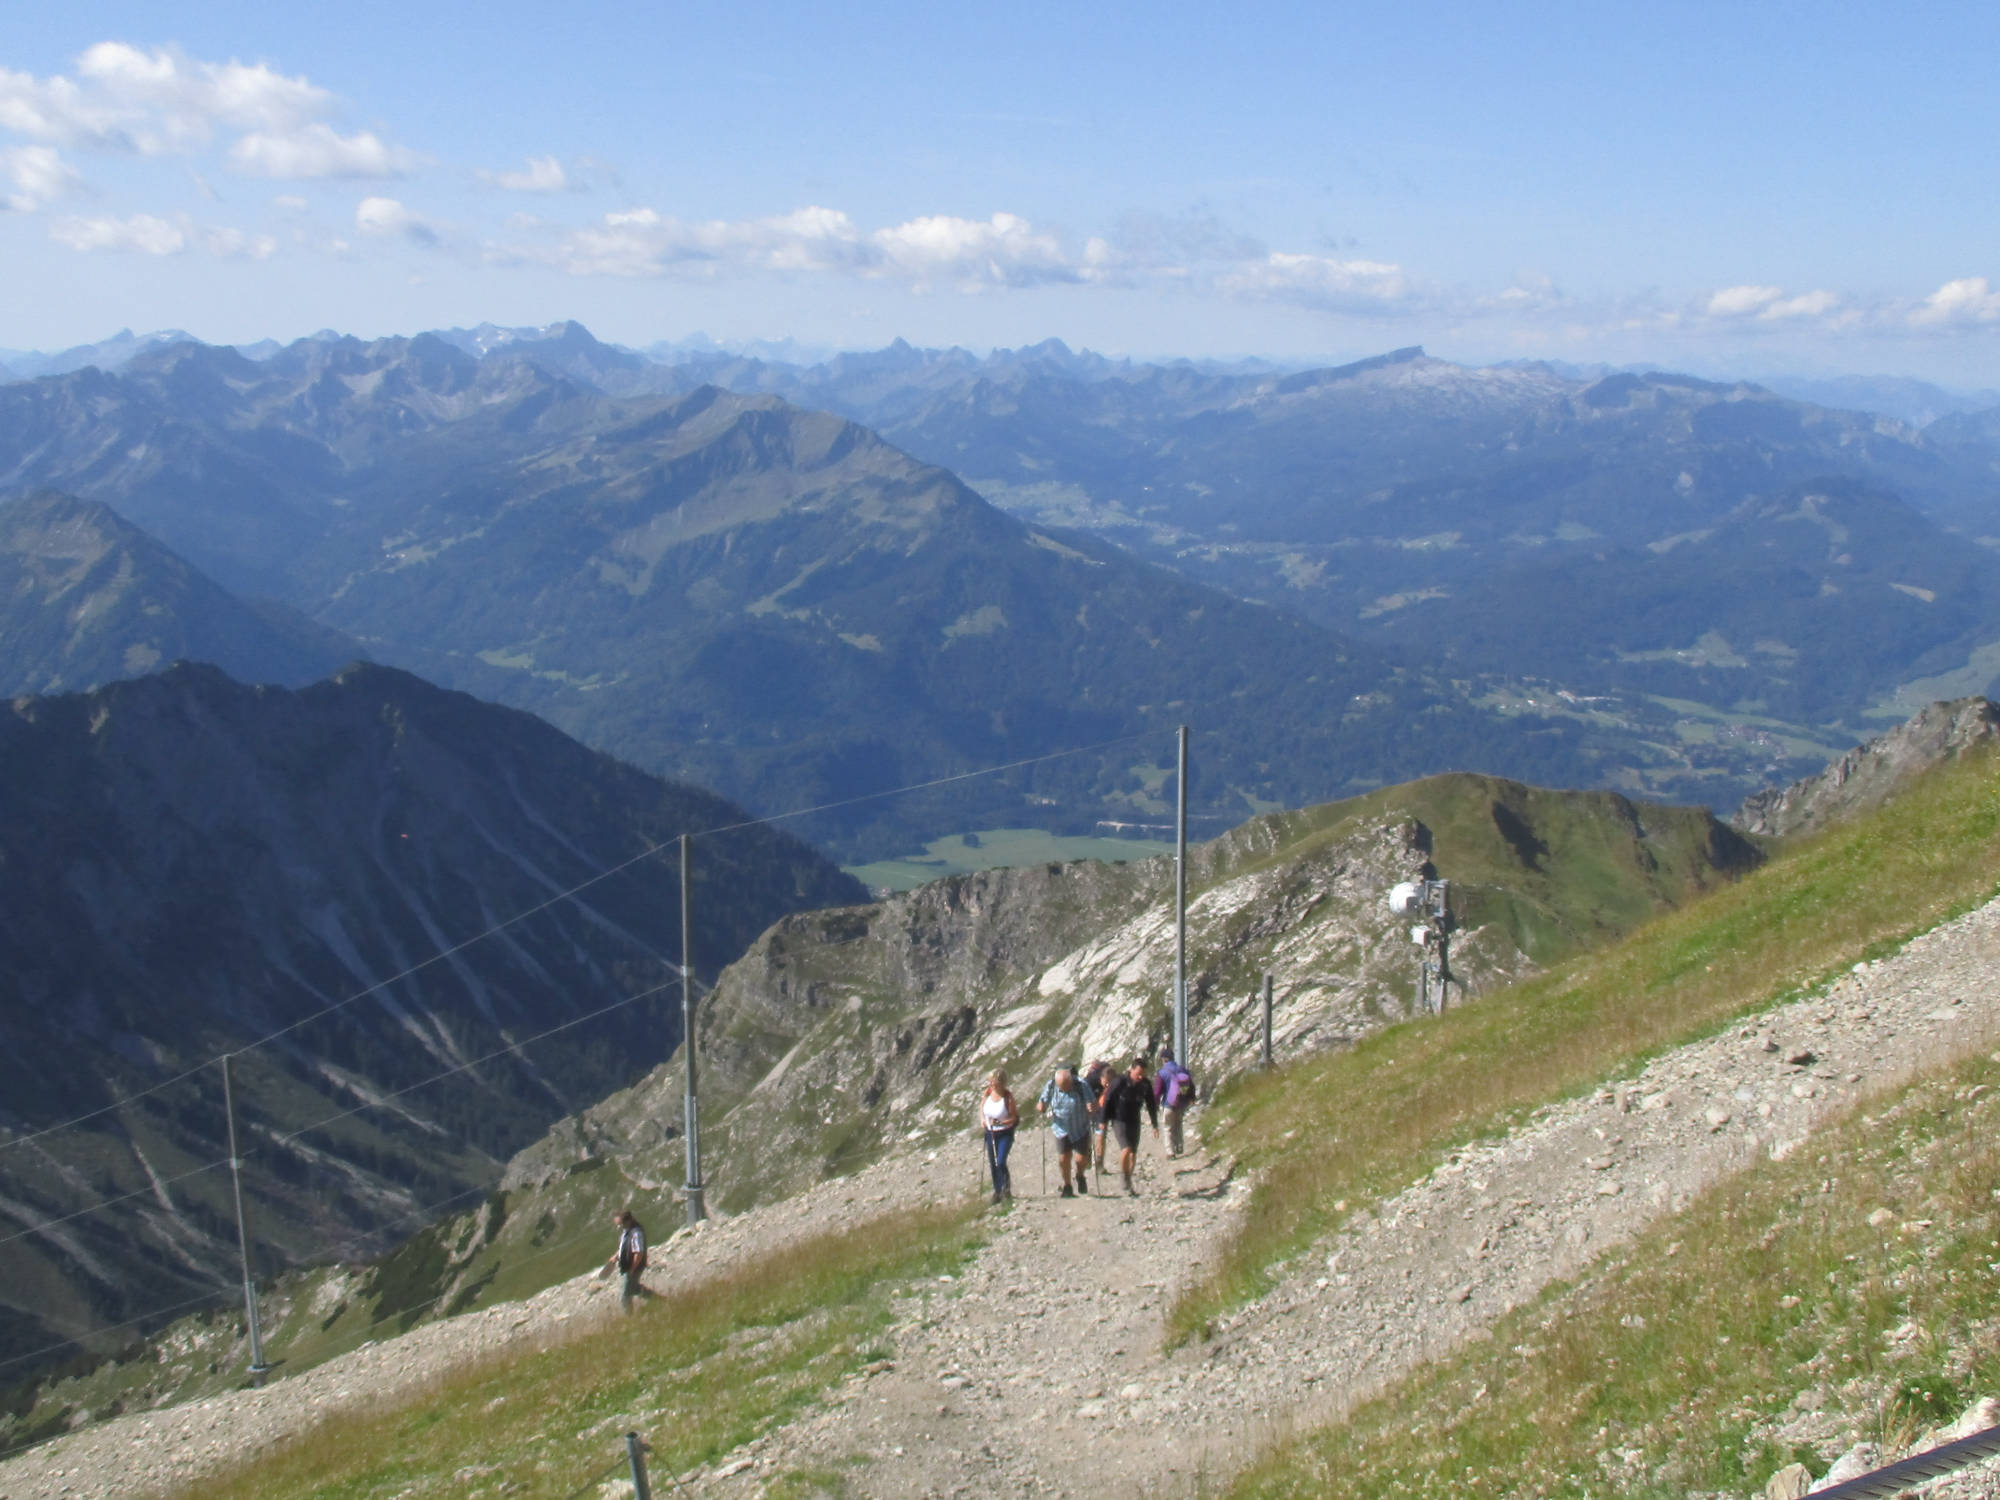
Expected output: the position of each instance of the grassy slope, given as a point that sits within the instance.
(1559, 870)
(1401, 1098)
(1673, 1366)
(696, 1373)
(1591, 877)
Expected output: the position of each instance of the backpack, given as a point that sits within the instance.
(1180, 1088)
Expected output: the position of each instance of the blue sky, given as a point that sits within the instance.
(1723, 188)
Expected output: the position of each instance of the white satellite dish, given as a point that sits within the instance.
(1405, 898)
(1420, 935)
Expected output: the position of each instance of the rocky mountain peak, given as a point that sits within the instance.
(1872, 773)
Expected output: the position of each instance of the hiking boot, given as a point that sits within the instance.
(996, 1195)
(1083, 1183)
(1128, 1185)
(1068, 1191)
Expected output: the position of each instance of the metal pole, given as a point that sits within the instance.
(257, 1365)
(1267, 1019)
(636, 1451)
(1180, 907)
(691, 1122)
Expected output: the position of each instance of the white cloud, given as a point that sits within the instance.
(234, 244)
(385, 218)
(141, 233)
(544, 174)
(1323, 282)
(1769, 304)
(317, 150)
(55, 111)
(935, 250)
(1965, 303)
(39, 175)
(129, 100)
(1005, 250)
(176, 102)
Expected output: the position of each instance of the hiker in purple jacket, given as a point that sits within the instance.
(1173, 1086)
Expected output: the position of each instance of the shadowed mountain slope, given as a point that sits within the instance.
(86, 599)
(188, 865)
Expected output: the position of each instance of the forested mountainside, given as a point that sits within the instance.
(87, 598)
(768, 600)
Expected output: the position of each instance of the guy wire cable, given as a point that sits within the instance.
(542, 906)
(343, 1115)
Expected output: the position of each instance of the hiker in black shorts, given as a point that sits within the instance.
(1096, 1079)
(1122, 1103)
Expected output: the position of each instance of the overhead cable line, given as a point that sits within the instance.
(521, 916)
(287, 1139)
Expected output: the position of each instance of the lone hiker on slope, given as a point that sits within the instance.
(1068, 1105)
(998, 1117)
(1122, 1103)
(630, 1257)
(1173, 1086)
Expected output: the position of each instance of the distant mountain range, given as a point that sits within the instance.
(787, 592)
(1583, 531)
(190, 864)
(764, 599)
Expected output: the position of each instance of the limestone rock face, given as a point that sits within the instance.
(1870, 774)
(842, 1034)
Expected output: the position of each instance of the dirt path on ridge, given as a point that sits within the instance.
(1040, 1371)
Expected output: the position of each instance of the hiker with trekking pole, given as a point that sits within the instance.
(1068, 1105)
(997, 1118)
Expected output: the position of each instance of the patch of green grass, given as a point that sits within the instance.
(696, 1372)
(1673, 1366)
(1558, 870)
(1338, 1131)
(995, 848)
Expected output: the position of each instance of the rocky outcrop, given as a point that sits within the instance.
(1869, 775)
(843, 1033)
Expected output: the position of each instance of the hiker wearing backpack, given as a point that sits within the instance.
(1173, 1085)
(998, 1117)
(1069, 1107)
(1122, 1102)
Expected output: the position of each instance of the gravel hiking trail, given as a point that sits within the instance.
(1041, 1370)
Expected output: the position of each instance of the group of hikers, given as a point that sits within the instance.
(1086, 1108)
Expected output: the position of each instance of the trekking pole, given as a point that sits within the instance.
(1045, 1162)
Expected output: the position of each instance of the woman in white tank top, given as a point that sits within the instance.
(997, 1118)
